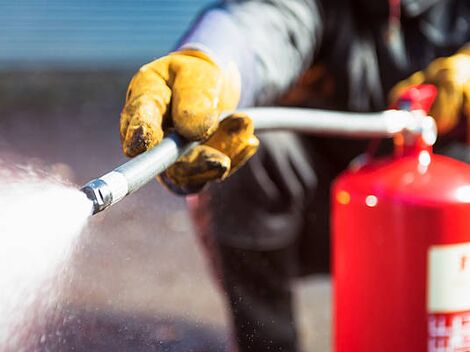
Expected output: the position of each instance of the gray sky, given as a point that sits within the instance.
(91, 32)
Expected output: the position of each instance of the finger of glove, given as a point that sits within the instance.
(466, 99)
(244, 154)
(402, 86)
(227, 149)
(466, 111)
(146, 105)
(437, 67)
(454, 67)
(235, 138)
(450, 75)
(447, 107)
(196, 94)
(142, 126)
(193, 170)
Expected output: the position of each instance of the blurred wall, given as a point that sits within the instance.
(64, 60)
(78, 33)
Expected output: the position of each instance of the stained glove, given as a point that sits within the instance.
(186, 91)
(451, 76)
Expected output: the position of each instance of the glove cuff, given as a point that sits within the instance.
(203, 49)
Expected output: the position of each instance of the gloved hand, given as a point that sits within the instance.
(187, 91)
(451, 76)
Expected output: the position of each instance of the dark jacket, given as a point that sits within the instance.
(274, 41)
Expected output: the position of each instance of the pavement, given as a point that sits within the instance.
(138, 279)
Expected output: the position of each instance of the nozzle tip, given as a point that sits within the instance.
(99, 193)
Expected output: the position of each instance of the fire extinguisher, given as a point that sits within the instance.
(401, 249)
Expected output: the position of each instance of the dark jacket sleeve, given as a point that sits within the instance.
(272, 42)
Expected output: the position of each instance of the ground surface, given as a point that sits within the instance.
(139, 279)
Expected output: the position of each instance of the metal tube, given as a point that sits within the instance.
(132, 175)
(129, 177)
(357, 125)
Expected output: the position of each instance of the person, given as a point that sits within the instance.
(268, 223)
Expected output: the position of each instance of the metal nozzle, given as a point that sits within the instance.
(108, 189)
(99, 193)
(129, 177)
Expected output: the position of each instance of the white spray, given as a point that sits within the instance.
(40, 220)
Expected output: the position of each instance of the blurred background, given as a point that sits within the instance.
(139, 281)
(80, 33)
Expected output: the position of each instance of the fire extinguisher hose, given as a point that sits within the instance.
(132, 175)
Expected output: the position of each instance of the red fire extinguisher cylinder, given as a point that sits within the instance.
(401, 253)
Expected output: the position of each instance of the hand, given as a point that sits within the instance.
(220, 156)
(451, 76)
(187, 91)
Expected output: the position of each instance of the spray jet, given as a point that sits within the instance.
(131, 176)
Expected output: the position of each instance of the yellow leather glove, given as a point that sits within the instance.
(451, 76)
(220, 156)
(187, 91)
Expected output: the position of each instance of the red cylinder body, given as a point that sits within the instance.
(401, 256)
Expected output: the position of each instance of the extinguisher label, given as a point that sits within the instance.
(449, 278)
(448, 298)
